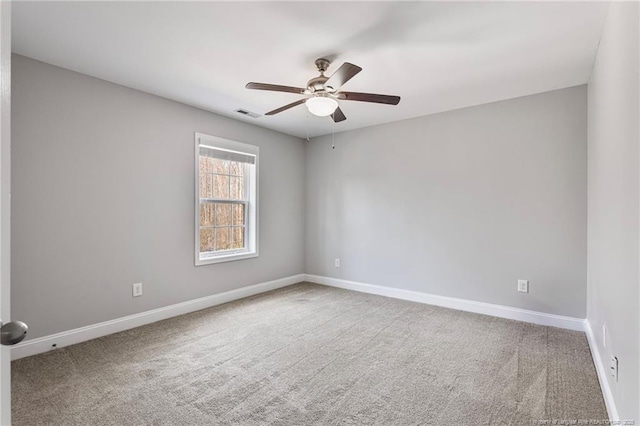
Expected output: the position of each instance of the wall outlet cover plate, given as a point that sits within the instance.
(523, 286)
(137, 290)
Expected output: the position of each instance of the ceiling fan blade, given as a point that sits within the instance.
(338, 115)
(341, 76)
(274, 88)
(286, 107)
(369, 97)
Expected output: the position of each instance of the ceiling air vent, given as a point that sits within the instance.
(247, 113)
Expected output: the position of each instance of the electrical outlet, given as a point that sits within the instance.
(137, 289)
(614, 368)
(604, 335)
(523, 286)
(337, 263)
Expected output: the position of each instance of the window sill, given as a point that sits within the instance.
(208, 260)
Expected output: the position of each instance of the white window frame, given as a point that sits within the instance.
(251, 205)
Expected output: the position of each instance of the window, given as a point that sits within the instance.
(226, 200)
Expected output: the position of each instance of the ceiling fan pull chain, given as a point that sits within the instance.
(333, 146)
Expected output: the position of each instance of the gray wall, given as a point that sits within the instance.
(103, 193)
(460, 204)
(613, 294)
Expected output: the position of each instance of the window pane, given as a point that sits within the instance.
(223, 238)
(220, 166)
(206, 239)
(206, 165)
(221, 187)
(238, 214)
(238, 237)
(223, 214)
(237, 188)
(206, 214)
(226, 185)
(206, 189)
(236, 168)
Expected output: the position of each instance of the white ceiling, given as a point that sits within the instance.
(437, 56)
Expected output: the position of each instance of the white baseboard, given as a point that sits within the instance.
(82, 334)
(454, 303)
(603, 373)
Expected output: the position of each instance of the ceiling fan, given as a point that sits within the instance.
(322, 93)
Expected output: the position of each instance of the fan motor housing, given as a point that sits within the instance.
(316, 84)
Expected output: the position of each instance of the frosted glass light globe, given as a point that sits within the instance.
(321, 106)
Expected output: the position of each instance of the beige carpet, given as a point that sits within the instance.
(309, 354)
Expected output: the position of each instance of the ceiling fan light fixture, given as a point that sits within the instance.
(321, 92)
(322, 106)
